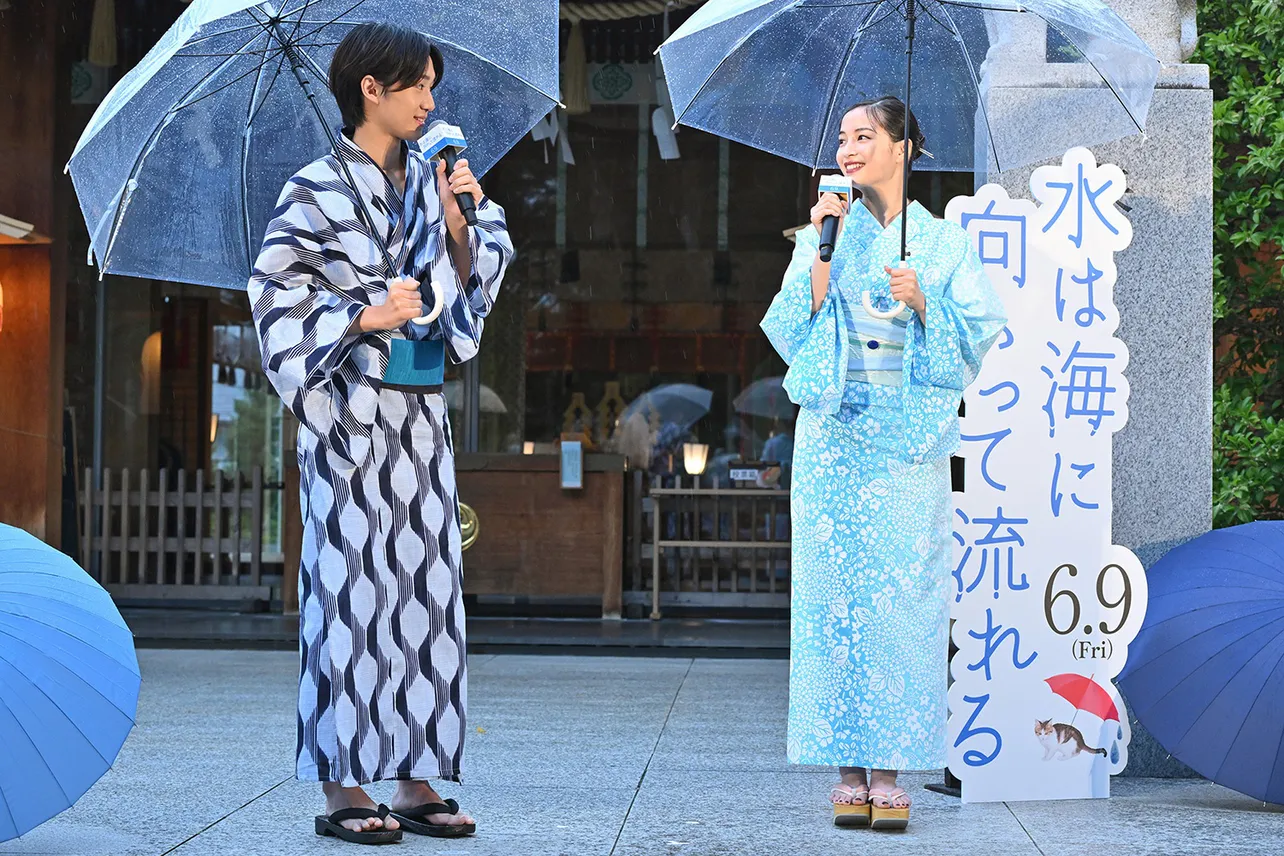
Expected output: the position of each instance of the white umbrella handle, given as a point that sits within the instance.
(897, 308)
(438, 302)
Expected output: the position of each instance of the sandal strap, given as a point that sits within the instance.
(887, 796)
(360, 814)
(852, 792)
(421, 812)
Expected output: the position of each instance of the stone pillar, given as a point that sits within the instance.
(1163, 457)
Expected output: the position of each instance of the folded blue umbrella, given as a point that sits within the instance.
(1206, 673)
(68, 682)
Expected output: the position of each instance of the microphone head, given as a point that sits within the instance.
(439, 136)
(840, 184)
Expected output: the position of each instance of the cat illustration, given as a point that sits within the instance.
(1062, 742)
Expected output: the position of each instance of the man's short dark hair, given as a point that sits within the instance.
(394, 56)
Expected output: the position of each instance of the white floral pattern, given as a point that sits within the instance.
(870, 501)
(870, 609)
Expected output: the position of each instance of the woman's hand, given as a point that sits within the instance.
(829, 205)
(905, 288)
(403, 304)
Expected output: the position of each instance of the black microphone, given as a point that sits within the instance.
(448, 141)
(840, 185)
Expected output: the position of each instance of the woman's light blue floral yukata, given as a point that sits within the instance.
(870, 501)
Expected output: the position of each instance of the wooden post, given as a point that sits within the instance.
(161, 502)
(234, 525)
(613, 547)
(636, 492)
(104, 517)
(216, 530)
(256, 527)
(655, 554)
(87, 511)
(200, 527)
(124, 526)
(180, 567)
(142, 526)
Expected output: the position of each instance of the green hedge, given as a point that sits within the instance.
(1243, 45)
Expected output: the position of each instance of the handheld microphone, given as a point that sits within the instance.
(448, 141)
(842, 186)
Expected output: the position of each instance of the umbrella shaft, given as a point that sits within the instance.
(910, 16)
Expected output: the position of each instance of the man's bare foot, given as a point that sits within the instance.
(338, 797)
(411, 794)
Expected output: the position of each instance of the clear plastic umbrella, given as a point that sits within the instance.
(776, 74)
(179, 170)
(679, 404)
(1000, 83)
(766, 397)
(488, 401)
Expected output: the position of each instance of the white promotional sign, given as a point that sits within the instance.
(1044, 603)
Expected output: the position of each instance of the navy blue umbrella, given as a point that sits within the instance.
(1206, 673)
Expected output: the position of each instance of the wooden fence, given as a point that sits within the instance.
(175, 535)
(699, 542)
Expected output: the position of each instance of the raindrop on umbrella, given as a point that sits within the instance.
(1114, 753)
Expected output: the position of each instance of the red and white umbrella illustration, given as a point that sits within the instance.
(1085, 694)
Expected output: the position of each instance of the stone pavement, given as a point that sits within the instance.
(582, 756)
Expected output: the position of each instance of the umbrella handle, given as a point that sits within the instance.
(897, 308)
(438, 302)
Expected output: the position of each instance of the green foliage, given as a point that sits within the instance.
(1243, 45)
(1248, 467)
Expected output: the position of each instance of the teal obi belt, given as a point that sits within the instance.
(416, 366)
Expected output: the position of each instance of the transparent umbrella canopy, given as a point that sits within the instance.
(179, 170)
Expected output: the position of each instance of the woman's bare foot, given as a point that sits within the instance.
(883, 792)
(338, 797)
(854, 788)
(412, 794)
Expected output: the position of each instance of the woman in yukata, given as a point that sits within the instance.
(870, 502)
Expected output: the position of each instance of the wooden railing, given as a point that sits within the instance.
(702, 543)
(175, 535)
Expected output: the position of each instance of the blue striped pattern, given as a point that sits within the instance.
(881, 364)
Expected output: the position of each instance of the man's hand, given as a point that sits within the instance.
(403, 304)
(461, 180)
